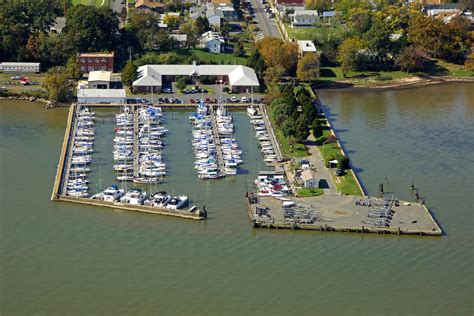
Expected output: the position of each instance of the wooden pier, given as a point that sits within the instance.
(136, 152)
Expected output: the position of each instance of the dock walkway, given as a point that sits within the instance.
(273, 139)
(136, 152)
(217, 141)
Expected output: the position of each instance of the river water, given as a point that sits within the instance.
(60, 258)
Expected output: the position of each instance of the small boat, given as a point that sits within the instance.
(159, 199)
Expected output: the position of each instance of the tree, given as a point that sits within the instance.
(272, 76)
(188, 29)
(72, 67)
(172, 21)
(129, 73)
(181, 82)
(317, 128)
(378, 40)
(360, 19)
(57, 85)
(411, 59)
(308, 67)
(288, 128)
(348, 51)
(301, 129)
(277, 53)
(91, 29)
(202, 25)
(320, 5)
(469, 64)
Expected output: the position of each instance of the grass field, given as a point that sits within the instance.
(96, 3)
(304, 192)
(320, 32)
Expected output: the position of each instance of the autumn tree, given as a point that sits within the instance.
(308, 67)
(277, 53)
(411, 59)
(469, 64)
(348, 53)
(172, 21)
(320, 5)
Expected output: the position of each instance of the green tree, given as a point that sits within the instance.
(129, 73)
(316, 128)
(348, 51)
(181, 82)
(202, 25)
(72, 67)
(308, 67)
(91, 29)
(301, 129)
(188, 29)
(172, 21)
(57, 85)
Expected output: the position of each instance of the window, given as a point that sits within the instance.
(83, 68)
(89, 60)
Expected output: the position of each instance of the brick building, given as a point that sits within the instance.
(96, 61)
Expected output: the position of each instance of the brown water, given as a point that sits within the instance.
(58, 258)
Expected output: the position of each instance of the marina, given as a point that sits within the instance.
(137, 158)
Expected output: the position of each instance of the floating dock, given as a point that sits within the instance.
(341, 214)
(273, 139)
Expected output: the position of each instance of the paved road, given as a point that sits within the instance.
(117, 5)
(267, 26)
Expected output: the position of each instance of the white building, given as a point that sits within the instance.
(310, 179)
(239, 78)
(182, 39)
(99, 79)
(213, 42)
(304, 18)
(19, 67)
(101, 96)
(305, 47)
(442, 12)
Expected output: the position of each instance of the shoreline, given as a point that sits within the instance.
(406, 83)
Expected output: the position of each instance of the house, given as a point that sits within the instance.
(310, 179)
(285, 5)
(149, 5)
(96, 61)
(213, 42)
(222, 2)
(99, 79)
(101, 96)
(153, 77)
(182, 39)
(327, 15)
(442, 13)
(304, 18)
(305, 47)
(216, 14)
(196, 12)
(212, 16)
(59, 24)
(17, 67)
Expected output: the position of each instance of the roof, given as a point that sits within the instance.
(211, 36)
(152, 4)
(328, 14)
(306, 46)
(180, 37)
(228, 2)
(305, 12)
(101, 93)
(150, 75)
(100, 75)
(97, 54)
(290, 2)
(308, 174)
(59, 24)
(17, 64)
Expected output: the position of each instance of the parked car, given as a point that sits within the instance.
(234, 99)
(166, 90)
(15, 77)
(340, 172)
(244, 99)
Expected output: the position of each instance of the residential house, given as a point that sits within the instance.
(96, 61)
(284, 6)
(310, 179)
(304, 18)
(149, 5)
(329, 15)
(305, 47)
(213, 42)
(442, 13)
(182, 39)
(196, 12)
(217, 14)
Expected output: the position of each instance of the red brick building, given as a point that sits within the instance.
(96, 61)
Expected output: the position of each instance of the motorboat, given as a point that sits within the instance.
(177, 202)
(159, 199)
(134, 197)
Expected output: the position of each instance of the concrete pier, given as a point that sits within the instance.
(341, 214)
(63, 166)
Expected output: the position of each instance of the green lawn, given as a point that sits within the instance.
(346, 184)
(304, 192)
(434, 67)
(319, 32)
(96, 3)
